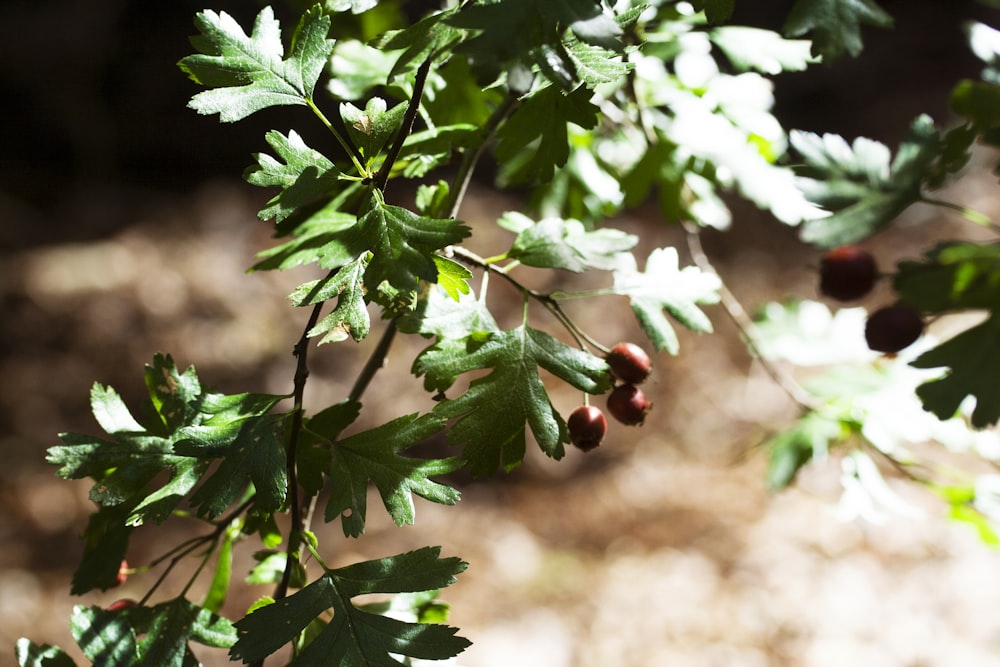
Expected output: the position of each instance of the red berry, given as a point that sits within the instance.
(847, 273)
(122, 573)
(893, 328)
(587, 427)
(629, 363)
(628, 404)
(124, 603)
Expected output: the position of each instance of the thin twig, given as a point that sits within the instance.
(546, 300)
(181, 551)
(469, 161)
(744, 324)
(301, 352)
(375, 362)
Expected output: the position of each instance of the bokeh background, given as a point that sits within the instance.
(125, 230)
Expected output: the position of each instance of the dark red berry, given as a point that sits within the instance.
(847, 273)
(587, 427)
(629, 363)
(124, 603)
(893, 328)
(628, 404)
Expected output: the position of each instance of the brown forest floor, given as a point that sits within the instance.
(662, 547)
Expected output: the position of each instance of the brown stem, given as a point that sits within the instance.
(181, 551)
(382, 177)
(469, 161)
(375, 362)
(547, 300)
(301, 352)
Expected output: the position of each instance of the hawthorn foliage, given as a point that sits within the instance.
(593, 108)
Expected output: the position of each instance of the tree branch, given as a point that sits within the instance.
(382, 177)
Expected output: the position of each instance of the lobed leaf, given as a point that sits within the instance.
(374, 456)
(973, 360)
(305, 176)
(247, 73)
(951, 276)
(857, 183)
(356, 638)
(663, 286)
(566, 244)
(189, 429)
(493, 414)
(30, 654)
(835, 25)
(750, 48)
(536, 133)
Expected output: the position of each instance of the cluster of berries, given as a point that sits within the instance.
(848, 273)
(630, 366)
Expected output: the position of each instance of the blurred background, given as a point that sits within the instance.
(125, 230)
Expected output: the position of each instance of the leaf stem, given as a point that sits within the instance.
(546, 300)
(348, 148)
(969, 214)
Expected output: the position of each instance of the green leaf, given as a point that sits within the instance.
(430, 35)
(358, 69)
(168, 628)
(142, 473)
(374, 456)
(314, 449)
(514, 31)
(663, 286)
(249, 73)
(30, 654)
(350, 318)
(973, 360)
(106, 540)
(493, 414)
(716, 11)
(596, 65)
(438, 314)
(356, 638)
(762, 50)
(453, 277)
(329, 238)
(215, 597)
(810, 437)
(157, 635)
(979, 102)
(858, 185)
(536, 133)
(372, 127)
(354, 6)
(252, 451)
(835, 25)
(106, 638)
(306, 175)
(174, 396)
(403, 244)
(952, 276)
(432, 148)
(565, 244)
